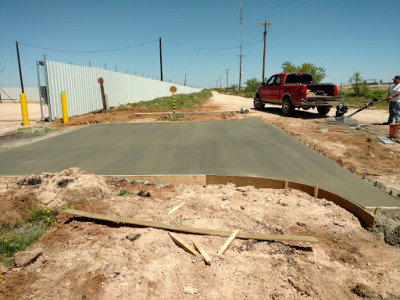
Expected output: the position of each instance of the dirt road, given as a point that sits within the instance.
(10, 115)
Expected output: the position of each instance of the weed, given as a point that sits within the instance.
(123, 193)
(32, 132)
(178, 116)
(121, 108)
(19, 236)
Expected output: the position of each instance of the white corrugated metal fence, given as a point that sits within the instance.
(83, 90)
(32, 93)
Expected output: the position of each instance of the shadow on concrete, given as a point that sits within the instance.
(300, 114)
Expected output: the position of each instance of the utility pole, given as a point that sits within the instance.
(265, 39)
(219, 81)
(241, 55)
(227, 71)
(161, 62)
(185, 80)
(20, 72)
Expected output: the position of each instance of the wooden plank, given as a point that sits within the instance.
(203, 252)
(363, 215)
(228, 242)
(176, 208)
(182, 243)
(257, 182)
(171, 179)
(180, 228)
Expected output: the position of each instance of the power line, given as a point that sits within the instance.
(211, 49)
(90, 51)
(8, 61)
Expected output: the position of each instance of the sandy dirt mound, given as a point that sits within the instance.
(87, 259)
(19, 196)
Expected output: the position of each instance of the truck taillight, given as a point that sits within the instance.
(304, 92)
(335, 90)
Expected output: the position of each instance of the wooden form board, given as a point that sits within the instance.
(180, 228)
(364, 216)
(258, 182)
(171, 179)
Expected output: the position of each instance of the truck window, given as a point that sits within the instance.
(308, 79)
(304, 79)
(290, 78)
(270, 80)
(274, 80)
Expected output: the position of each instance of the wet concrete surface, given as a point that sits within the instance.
(248, 147)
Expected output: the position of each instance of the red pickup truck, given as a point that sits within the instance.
(293, 90)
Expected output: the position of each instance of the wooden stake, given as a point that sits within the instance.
(176, 207)
(315, 191)
(182, 243)
(203, 252)
(286, 184)
(228, 242)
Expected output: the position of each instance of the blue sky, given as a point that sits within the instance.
(343, 36)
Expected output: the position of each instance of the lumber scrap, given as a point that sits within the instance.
(176, 208)
(192, 230)
(203, 252)
(182, 243)
(228, 242)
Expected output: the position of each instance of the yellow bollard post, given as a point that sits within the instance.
(64, 107)
(24, 109)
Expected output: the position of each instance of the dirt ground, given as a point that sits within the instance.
(86, 259)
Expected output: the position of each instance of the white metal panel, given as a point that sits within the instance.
(83, 90)
(32, 93)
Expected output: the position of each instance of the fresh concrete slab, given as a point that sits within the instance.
(248, 147)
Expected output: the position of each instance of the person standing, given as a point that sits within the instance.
(394, 101)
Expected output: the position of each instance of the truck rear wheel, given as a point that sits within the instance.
(323, 110)
(287, 107)
(257, 103)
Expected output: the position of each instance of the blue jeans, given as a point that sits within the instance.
(394, 112)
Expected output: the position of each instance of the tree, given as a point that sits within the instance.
(355, 80)
(317, 72)
(252, 84)
(234, 87)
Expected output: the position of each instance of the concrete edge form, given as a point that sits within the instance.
(365, 217)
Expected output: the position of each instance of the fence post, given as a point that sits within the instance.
(24, 109)
(103, 96)
(64, 107)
